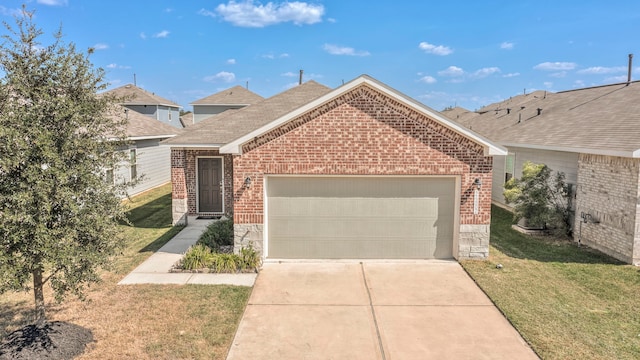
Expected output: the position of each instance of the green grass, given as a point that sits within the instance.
(567, 302)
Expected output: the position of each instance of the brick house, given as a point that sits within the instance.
(590, 134)
(360, 171)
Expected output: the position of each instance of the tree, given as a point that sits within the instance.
(542, 200)
(58, 216)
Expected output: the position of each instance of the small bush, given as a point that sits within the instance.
(218, 233)
(197, 257)
(249, 259)
(201, 257)
(226, 263)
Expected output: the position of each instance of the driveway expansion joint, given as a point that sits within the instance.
(373, 312)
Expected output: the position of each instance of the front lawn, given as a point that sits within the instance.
(143, 321)
(567, 302)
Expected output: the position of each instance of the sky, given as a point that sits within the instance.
(441, 53)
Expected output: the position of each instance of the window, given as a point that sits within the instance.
(509, 167)
(133, 167)
(169, 114)
(108, 176)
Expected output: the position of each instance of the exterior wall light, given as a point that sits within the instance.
(247, 181)
(478, 183)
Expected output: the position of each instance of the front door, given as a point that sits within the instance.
(209, 185)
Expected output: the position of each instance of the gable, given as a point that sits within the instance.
(362, 86)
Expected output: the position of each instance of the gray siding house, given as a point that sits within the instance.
(591, 135)
(146, 157)
(149, 104)
(234, 98)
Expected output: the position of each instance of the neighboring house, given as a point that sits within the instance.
(146, 157)
(590, 134)
(360, 171)
(149, 104)
(234, 98)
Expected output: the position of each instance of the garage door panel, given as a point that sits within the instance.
(360, 217)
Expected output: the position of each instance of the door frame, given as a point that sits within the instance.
(222, 188)
(456, 210)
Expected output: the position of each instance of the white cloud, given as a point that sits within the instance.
(578, 84)
(231, 61)
(511, 75)
(100, 46)
(548, 84)
(507, 45)
(248, 13)
(343, 50)
(168, 10)
(484, 72)
(555, 66)
(116, 66)
(222, 76)
(272, 56)
(10, 12)
(435, 49)
(332, 20)
(143, 36)
(53, 2)
(451, 71)
(428, 79)
(162, 34)
(598, 70)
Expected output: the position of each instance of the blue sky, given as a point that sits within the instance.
(442, 53)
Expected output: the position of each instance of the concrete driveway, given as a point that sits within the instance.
(372, 310)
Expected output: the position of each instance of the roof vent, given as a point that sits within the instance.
(630, 65)
(508, 111)
(539, 111)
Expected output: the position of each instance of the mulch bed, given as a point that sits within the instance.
(56, 340)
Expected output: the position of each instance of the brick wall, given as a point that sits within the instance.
(608, 190)
(362, 132)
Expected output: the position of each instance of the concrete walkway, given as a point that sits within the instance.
(155, 270)
(372, 310)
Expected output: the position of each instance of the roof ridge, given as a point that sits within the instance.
(598, 86)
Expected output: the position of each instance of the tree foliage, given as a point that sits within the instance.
(541, 197)
(58, 217)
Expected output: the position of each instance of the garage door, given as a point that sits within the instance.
(360, 217)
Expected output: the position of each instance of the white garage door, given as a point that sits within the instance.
(360, 217)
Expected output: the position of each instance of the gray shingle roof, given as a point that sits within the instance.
(134, 95)
(236, 95)
(140, 125)
(230, 125)
(603, 119)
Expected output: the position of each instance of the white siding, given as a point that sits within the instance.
(154, 163)
(566, 162)
(169, 115)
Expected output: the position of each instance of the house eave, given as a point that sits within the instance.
(490, 149)
(607, 152)
(150, 137)
(193, 146)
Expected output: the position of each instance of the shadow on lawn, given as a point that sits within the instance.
(544, 249)
(14, 315)
(152, 215)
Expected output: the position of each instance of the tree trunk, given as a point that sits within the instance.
(39, 297)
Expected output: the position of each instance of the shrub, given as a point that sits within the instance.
(197, 257)
(201, 257)
(541, 200)
(225, 263)
(218, 233)
(249, 259)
